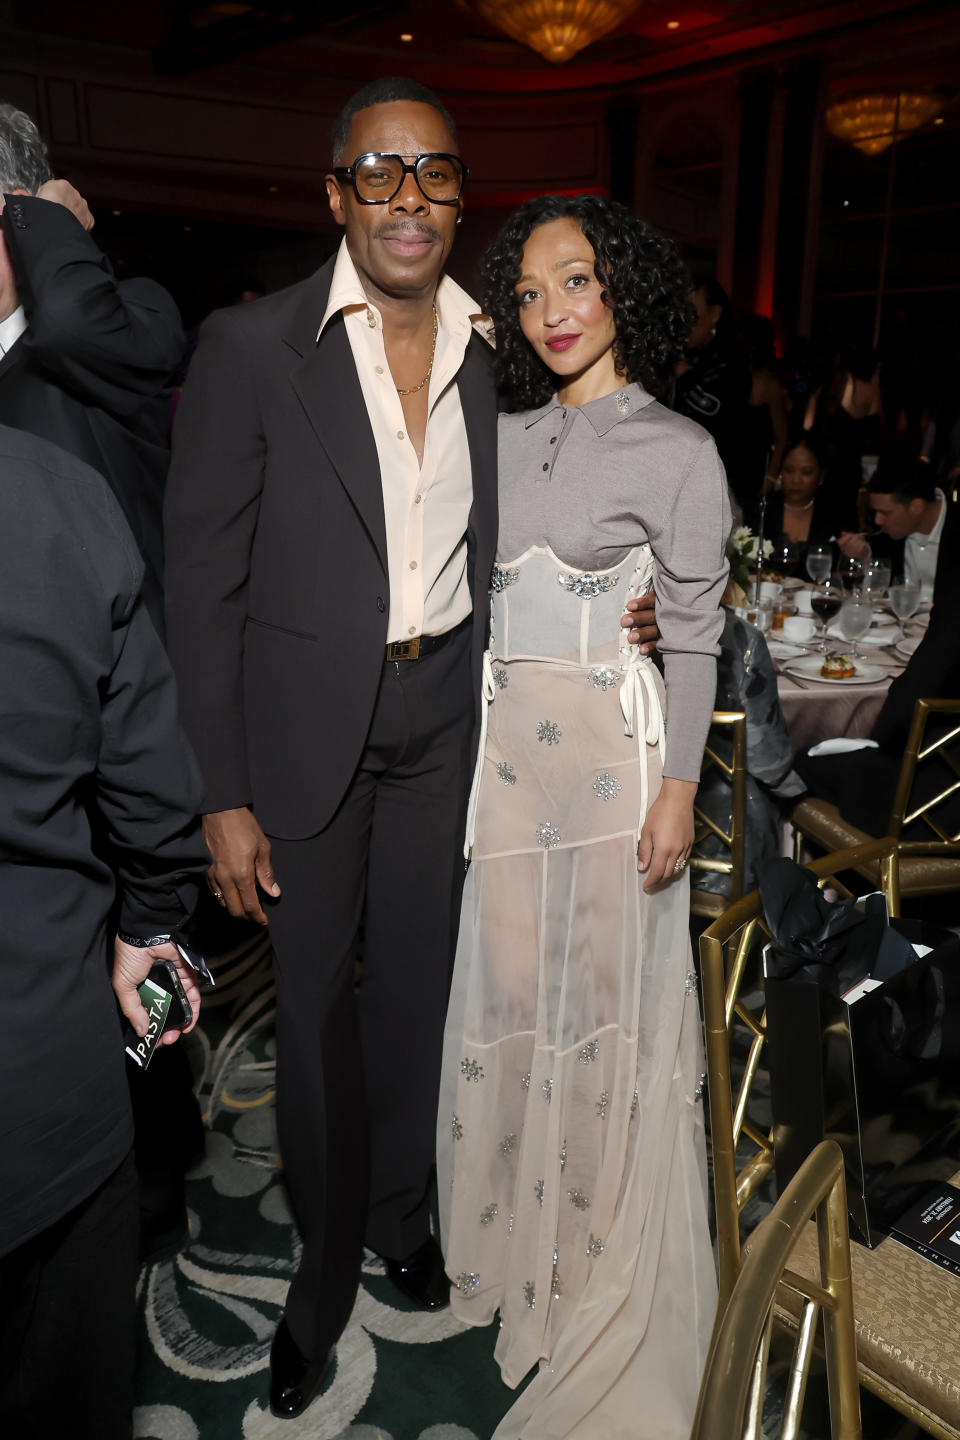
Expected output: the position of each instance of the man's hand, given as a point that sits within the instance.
(241, 861)
(131, 966)
(667, 834)
(641, 621)
(854, 546)
(61, 192)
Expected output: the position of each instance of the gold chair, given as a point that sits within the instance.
(928, 866)
(705, 902)
(734, 1382)
(907, 1310)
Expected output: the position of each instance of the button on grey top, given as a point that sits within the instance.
(625, 470)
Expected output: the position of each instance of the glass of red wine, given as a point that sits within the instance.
(785, 558)
(825, 602)
(850, 571)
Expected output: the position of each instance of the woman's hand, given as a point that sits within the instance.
(667, 834)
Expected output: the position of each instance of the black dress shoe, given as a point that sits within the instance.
(421, 1276)
(294, 1380)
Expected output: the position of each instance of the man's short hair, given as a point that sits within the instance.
(383, 92)
(23, 156)
(904, 477)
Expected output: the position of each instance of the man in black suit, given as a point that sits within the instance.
(331, 525)
(910, 513)
(98, 838)
(85, 359)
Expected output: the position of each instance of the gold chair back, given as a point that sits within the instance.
(706, 902)
(742, 1146)
(930, 812)
(734, 1383)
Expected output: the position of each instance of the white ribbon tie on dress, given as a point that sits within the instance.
(637, 677)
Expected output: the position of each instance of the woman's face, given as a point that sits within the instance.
(800, 475)
(562, 314)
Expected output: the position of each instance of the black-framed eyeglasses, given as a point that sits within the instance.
(377, 177)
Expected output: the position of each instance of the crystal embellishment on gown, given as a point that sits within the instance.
(508, 1144)
(489, 1213)
(456, 1129)
(623, 401)
(690, 983)
(548, 835)
(589, 1052)
(601, 677)
(550, 731)
(563, 1158)
(547, 1088)
(556, 1286)
(588, 586)
(501, 576)
(506, 774)
(525, 1081)
(530, 1294)
(606, 786)
(701, 1086)
(578, 1200)
(594, 1246)
(501, 677)
(538, 1191)
(601, 1105)
(471, 1070)
(467, 1283)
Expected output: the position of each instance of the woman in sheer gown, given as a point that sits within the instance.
(570, 1141)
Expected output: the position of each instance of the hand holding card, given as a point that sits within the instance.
(160, 1004)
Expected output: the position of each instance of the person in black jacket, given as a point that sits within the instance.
(85, 360)
(714, 386)
(98, 838)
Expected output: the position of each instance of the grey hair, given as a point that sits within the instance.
(24, 164)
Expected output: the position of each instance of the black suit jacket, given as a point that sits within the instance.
(92, 371)
(98, 799)
(276, 577)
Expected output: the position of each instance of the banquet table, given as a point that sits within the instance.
(816, 710)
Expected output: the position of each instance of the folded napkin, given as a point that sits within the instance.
(841, 746)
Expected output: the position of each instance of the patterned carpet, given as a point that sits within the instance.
(206, 1319)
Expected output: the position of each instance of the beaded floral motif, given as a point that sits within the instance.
(508, 1144)
(563, 1158)
(701, 1086)
(601, 1105)
(578, 1200)
(623, 401)
(456, 1129)
(547, 1088)
(467, 1283)
(525, 1081)
(471, 1070)
(501, 677)
(538, 1191)
(595, 1246)
(506, 774)
(588, 586)
(510, 1223)
(550, 731)
(501, 576)
(530, 1294)
(489, 1213)
(690, 983)
(606, 786)
(548, 835)
(601, 677)
(588, 1052)
(556, 1286)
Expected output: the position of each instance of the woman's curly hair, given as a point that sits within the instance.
(644, 282)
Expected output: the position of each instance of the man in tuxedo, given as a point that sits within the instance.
(98, 835)
(85, 360)
(910, 513)
(331, 526)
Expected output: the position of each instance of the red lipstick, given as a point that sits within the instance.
(562, 342)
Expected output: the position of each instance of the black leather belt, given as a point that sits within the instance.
(420, 645)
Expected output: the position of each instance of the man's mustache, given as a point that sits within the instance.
(408, 227)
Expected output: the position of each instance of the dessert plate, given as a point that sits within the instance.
(808, 668)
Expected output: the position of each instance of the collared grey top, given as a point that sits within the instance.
(595, 480)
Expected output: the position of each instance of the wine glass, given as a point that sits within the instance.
(785, 558)
(825, 602)
(856, 613)
(850, 570)
(876, 577)
(819, 562)
(904, 596)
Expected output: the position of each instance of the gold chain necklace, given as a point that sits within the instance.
(433, 350)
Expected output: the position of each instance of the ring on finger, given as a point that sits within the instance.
(679, 865)
(217, 895)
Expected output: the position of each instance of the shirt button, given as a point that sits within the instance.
(546, 467)
(371, 320)
(379, 369)
(413, 564)
(380, 605)
(553, 439)
(412, 630)
(400, 435)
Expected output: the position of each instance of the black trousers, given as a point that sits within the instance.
(68, 1321)
(358, 1069)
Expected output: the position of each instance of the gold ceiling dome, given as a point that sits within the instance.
(874, 120)
(556, 28)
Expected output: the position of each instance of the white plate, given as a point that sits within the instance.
(809, 669)
(791, 582)
(881, 637)
(909, 645)
(781, 650)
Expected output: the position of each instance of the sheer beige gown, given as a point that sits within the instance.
(570, 1140)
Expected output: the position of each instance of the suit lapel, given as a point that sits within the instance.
(324, 377)
(479, 404)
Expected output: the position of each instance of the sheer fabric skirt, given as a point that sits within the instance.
(570, 1139)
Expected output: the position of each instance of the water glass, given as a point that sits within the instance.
(856, 614)
(904, 598)
(876, 577)
(819, 562)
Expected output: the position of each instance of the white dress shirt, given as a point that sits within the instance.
(921, 552)
(11, 329)
(426, 506)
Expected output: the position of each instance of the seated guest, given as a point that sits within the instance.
(800, 510)
(747, 681)
(910, 512)
(862, 784)
(713, 384)
(98, 838)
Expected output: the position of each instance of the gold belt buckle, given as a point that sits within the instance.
(404, 649)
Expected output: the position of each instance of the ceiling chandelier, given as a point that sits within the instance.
(872, 122)
(556, 28)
